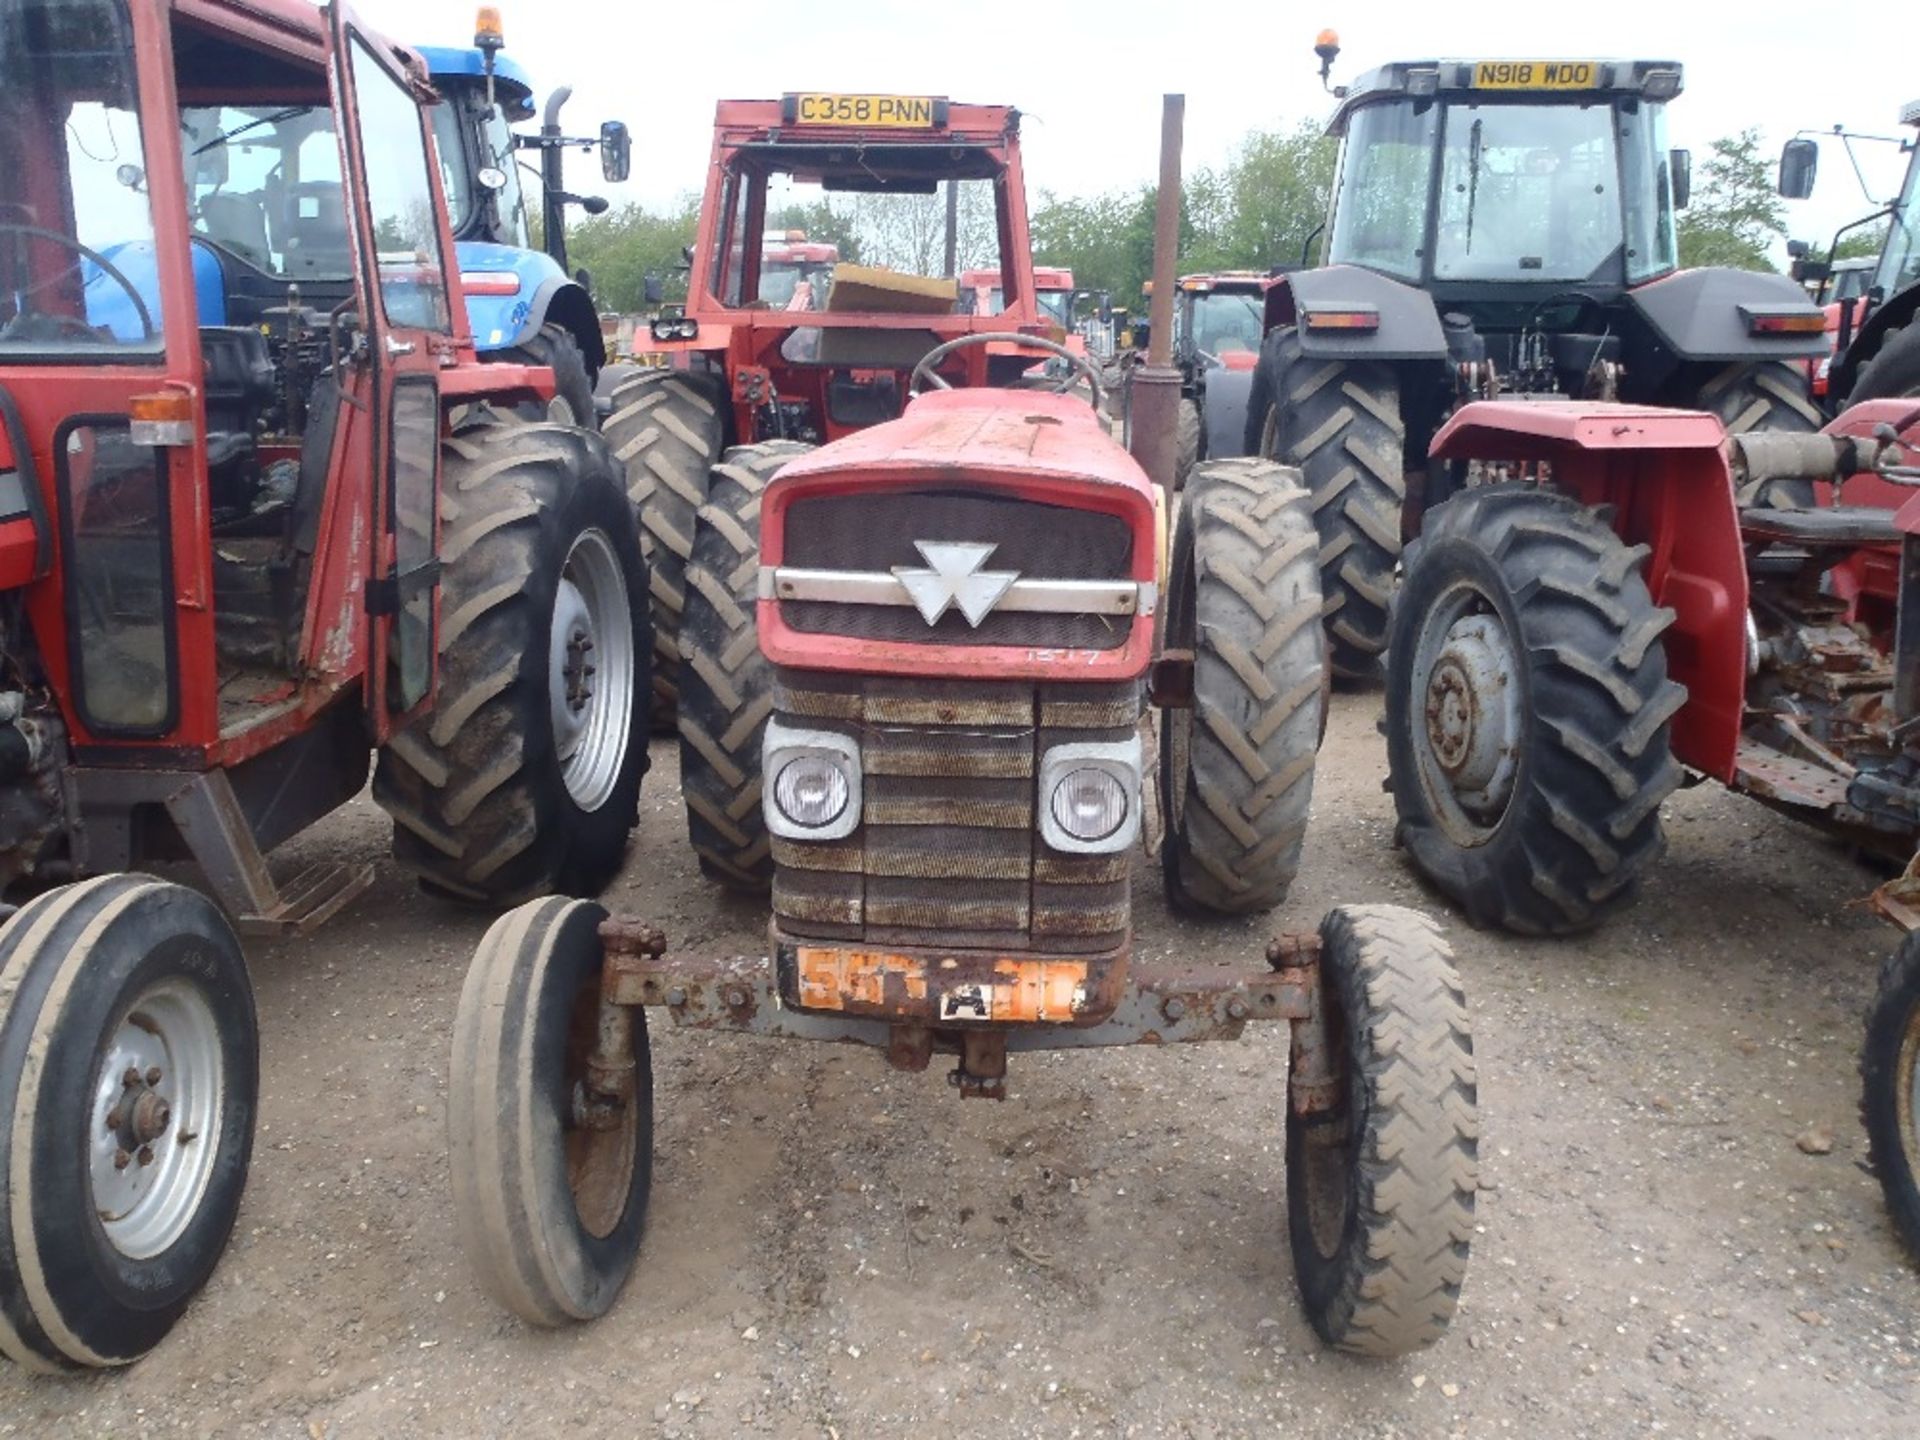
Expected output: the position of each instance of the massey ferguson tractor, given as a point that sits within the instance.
(1498, 228)
(1217, 322)
(1600, 616)
(743, 366)
(262, 516)
(918, 659)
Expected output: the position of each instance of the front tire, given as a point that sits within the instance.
(551, 1177)
(726, 686)
(1890, 1088)
(525, 775)
(1380, 1189)
(1338, 422)
(1236, 769)
(1527, 711)
(129, 1087)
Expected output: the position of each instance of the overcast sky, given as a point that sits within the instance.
(1089, 76)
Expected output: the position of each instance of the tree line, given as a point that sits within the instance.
(1263, 206)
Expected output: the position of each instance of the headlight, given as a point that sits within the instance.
(1090, 797)
(813, 783)
(675, 327)
(811, 789)
(1089, 804)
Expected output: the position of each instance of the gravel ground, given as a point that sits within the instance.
(836, 1250)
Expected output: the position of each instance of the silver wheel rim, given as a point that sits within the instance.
(591, 677)
(560, 411)
(1466, 724)
(158, 1095)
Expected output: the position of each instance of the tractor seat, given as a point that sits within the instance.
(1834, 526)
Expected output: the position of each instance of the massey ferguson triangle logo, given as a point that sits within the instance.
(955, 579)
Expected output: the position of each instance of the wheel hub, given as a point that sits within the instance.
(593, 670)
(1473, 714)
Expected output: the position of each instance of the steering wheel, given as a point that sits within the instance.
(107, 268)
(925, 370)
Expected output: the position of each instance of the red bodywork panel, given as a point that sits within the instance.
(1870, 579)
(1665, 473)
(1030, 444)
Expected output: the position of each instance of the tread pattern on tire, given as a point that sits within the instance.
(1258, 689)
(463, 784)
(1338, 422)
(1416, 1159)
(726, 689)
(553, 346)
(1893, 1142)
(666, 429)
(1583, 824)
(1764, 395)
(1186, 442)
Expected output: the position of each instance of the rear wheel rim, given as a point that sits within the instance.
(1466, 724)
(154, 1118)
(602, 1141)
(591, 678)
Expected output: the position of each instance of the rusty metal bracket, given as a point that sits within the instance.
(1170, 680)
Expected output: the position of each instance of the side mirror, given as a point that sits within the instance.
(616, 152)
(1680, 171)
(1799, 162)
(652, 290)
(1798, 249)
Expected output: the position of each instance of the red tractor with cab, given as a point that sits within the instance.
(1597, 615)
(1217, 333)
(928, 190)
(921, 661)
(263, 517)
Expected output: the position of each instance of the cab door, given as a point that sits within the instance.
(401, 249)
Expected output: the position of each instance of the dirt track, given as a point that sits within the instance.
(838, 1250)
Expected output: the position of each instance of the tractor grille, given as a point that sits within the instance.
(876, 532)
(948, 853)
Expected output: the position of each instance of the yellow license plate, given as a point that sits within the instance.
(1535, 75)
(887, 112)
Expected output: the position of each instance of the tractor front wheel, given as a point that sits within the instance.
(1381, 1178)
(725, 682)
(1527, 710)
(1890, 1088)
(1236, 765)
(1338, 422)
(552, 1155)
(525, 776)
(129, 1086)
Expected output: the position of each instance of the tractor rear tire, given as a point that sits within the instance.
(1338, 422)
(1236, 769)
(1894, 371)
(1380, 1189)
(667, 428)
(1765, 395)
(129, 1088)
(572, 402)
(508, 788)
(1527, 711)
(1186, 442)
(1890, 1088)
(550, 1181)
(726, 685)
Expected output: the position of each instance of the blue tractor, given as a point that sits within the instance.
(522, 304)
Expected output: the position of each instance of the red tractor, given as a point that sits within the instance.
(1595, 616)
(928, 190)
(1498, 228)
(931, 646)
(1217, 332)
(262, 516)
(795, 272)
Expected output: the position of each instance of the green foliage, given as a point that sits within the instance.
(1863, 244)
(622, 247)
(1735, 214)
(1255, 211)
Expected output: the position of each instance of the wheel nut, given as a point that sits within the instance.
(131, 1078)
(153, 1075)
(121, 1159)
(146, 1155)
(116, 1117)
(736, 997)
(676, 996)
(1237, 1008)
(1173, 1007)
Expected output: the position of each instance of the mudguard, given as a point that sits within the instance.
(1895, 314)
(545, 294)
(1409, 324)
(1697, 315)
(1223, 412)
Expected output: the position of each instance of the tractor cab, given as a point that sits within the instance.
(795, 272)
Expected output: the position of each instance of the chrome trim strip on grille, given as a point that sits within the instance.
(876, 587)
